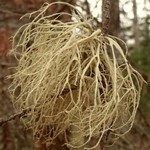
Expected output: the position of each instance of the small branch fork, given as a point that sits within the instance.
(105, 16)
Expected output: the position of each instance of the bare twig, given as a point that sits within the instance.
(12, 117)
(61, 7)
(11, 12)
(87, 7)
(21, 114)
(5, 64)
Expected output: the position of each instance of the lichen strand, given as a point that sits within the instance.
(69, 76)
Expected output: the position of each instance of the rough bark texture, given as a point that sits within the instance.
(105, 16)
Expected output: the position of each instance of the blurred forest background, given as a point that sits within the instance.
(133, 28)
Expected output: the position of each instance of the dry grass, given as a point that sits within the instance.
(70, 77)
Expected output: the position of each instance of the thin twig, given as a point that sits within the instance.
(5, 64)
(87, 7)
(21, 114)
(11, 12)
(12, 117)
(61, 7)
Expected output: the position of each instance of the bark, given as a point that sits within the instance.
(105, 16)
(7, 143)
(114, 27)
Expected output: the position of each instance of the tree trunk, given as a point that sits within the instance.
(136, 30)
(114, 27)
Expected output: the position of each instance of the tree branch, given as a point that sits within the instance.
(21, 114)
(12, 117)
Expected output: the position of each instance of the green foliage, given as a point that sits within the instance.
(144, 103)
(141, 58)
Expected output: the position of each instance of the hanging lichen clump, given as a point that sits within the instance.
(71, 80)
